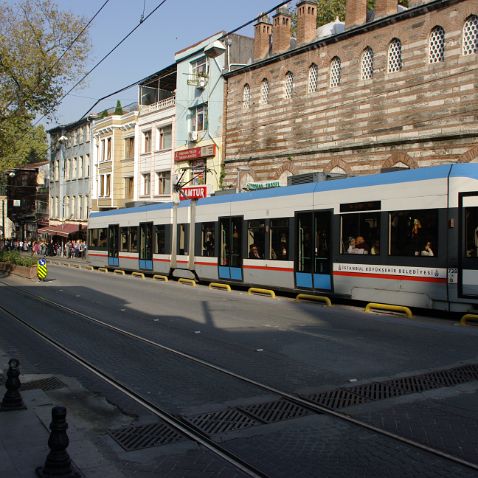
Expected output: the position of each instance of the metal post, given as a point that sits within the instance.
(3, 223)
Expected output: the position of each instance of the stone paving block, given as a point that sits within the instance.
(325, 447)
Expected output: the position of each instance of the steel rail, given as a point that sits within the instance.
(178, 424)
(293, 398)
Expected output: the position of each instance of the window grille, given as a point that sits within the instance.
(437, 45)
(313, 77)
(289, 85)
(264, 92)
(246, 97)
(335, 72)
(470, 36)
(395, 56)
(367, 64)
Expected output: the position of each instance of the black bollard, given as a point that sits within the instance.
(58, 463)
(12, 400)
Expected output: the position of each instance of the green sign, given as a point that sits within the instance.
(262, 185)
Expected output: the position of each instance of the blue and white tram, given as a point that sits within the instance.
(408, 238)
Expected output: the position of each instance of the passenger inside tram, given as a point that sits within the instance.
(254, 252)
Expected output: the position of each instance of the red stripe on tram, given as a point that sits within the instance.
(390, 277)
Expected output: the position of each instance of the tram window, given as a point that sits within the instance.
(414, 233)
(103, 237)
(471, 232)
(183, 240)
(207, 239)
(160, 239)
(93, 238)
(256, 238)
(279, 239)
(133, 239)
(361, 233)
(124, 239)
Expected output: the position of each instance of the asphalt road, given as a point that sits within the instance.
(301, 348)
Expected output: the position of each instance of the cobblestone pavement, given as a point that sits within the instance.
(324, 447)
(445, 420)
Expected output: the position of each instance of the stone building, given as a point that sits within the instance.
(393, 88)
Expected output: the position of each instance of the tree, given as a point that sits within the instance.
(329, 10)
(119, 108)
(38, 57)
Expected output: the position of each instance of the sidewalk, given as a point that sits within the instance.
(24, 441)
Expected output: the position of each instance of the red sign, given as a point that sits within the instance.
(195, 153)
(193, 192)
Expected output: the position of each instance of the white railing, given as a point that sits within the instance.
(160, 105)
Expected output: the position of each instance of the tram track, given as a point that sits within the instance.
(181, 424)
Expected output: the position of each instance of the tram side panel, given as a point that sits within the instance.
(269, 236)
(208, 240)
(393, 268)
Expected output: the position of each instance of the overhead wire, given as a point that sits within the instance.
(220, 38)
(107, 55)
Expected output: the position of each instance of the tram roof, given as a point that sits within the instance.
(395, 177)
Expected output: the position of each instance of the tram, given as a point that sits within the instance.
(406, 238)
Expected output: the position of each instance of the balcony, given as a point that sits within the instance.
(158, 106)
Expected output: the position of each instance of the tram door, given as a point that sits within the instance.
(230, 248)
(113, 245)
(468, 247)
(146, 245)
(313, 252)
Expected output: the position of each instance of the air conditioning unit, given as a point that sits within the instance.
(202, 82)
(193, 136)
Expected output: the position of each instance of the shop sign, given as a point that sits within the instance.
(262, 185)
(195, 153)
(192, 192)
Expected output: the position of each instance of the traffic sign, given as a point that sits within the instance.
(42, 270)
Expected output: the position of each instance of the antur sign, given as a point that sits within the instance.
(193, 192)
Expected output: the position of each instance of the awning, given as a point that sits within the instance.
(63, 230)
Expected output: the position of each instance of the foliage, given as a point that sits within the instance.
(38, 56)
(329, 10)
(14, 257)
(119, 108)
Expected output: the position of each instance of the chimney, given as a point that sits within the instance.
(281, 30)
(355, 13)
(306, 21)
(383, 8)
(262, 37)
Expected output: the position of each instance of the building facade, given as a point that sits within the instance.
(200, 107)
(394, 88)
(153, 173)
(112, 184)
(25, 207)
(70, 175)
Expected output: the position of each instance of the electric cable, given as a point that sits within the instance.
(220, 38)
(107, 55)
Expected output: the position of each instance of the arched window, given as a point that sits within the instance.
(366, 70)
(313, 77)
(335, 72)
(436, 45)
(246, 97)
(470, 35)
(264, 92)
(395, 56)
(289, 85)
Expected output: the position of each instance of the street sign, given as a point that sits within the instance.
(42, 270)
(192, 192)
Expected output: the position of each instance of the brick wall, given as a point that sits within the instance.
(422, 115)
